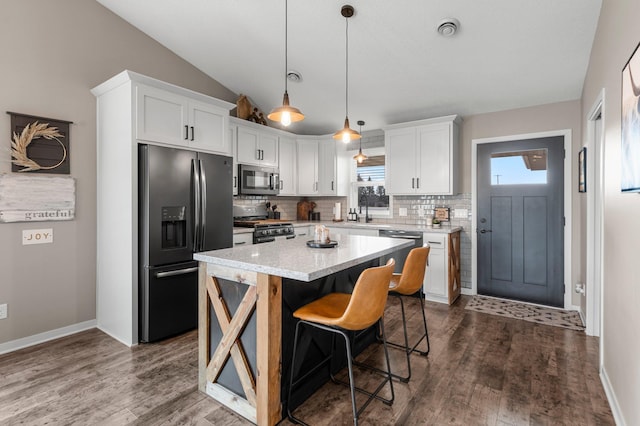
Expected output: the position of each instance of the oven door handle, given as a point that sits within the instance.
(290, 237)
(267, 240)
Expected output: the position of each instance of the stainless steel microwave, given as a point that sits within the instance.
(256, 180)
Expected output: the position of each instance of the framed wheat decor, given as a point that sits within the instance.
(39, 144)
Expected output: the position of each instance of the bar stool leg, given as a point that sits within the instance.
(405, 347)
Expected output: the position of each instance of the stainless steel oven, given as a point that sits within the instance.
(256, 180)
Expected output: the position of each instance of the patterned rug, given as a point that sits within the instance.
(527, 312)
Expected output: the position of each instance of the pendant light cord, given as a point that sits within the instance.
(346, 74)
(286, 42)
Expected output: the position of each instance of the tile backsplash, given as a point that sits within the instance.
(417, 208)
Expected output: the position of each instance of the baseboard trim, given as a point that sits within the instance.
(611, 396)
(467, 291)
(36, 339)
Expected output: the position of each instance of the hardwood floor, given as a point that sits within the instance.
(482, 370)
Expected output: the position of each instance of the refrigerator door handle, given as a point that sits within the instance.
(176, 272)
(196, 205)
(203, 206)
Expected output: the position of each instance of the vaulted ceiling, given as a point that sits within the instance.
(506, 53)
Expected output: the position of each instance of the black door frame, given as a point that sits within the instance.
(568, 193)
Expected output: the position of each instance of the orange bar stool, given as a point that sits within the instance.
(342, 314)
(408, 283)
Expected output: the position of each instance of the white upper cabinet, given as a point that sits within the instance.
(307, 166)
(422, 157)
(165, 117)
(327, 169)
(317, 166)
(287, 161)
(257, 146)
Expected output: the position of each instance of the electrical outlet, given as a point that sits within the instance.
(402, 211)
(460, 213)
(3, 311)
(420, 211)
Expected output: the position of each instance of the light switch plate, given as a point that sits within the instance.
(37, 236)
(402, 211)
(3, 311)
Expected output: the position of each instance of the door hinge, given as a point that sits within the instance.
(564, 154)
(564, 288)
(564, 221)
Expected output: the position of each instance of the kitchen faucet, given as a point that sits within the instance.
(367, 218)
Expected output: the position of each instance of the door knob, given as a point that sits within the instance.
(483, 231)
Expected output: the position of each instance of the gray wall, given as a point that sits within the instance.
(617, 36)
(54, 52)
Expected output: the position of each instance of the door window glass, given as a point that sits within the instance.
(519, 167)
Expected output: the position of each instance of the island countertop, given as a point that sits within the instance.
(293, 259)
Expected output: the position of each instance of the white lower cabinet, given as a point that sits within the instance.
(442, 278)
(243, 239)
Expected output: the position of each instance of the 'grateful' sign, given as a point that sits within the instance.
(29, 198)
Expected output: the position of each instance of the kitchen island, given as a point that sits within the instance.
(246, 297)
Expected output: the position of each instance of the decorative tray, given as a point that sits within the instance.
(315, 244)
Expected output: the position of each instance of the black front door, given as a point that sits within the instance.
(521, 220)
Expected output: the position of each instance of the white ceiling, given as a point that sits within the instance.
(507, 53)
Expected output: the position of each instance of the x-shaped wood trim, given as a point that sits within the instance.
(230, 343)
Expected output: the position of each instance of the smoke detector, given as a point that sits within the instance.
(448, 27)
(294, 76)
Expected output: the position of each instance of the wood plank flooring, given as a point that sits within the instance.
(482, 370)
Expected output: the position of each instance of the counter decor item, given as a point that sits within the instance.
(441, 213)
(435, 224)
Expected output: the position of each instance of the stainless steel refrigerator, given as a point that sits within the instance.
(185, 206)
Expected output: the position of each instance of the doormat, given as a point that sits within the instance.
(527, 312)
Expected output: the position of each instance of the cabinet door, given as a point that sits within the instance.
(434, 148)
(268, 146)
(243, 239)
(247, 146)
(208, 128)
(232, 143)
(327, 167)
(161, 116)
(307, 167)
(287, 163)
(401, 161)
(436, 275)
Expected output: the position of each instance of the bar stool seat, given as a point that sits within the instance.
(342, 314)
(408, 283)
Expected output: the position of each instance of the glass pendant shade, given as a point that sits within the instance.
(285, 114)
(346, 134)
(360, 157)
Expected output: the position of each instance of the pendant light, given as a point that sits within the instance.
(285, 114)
(346, 134)
(360, 157)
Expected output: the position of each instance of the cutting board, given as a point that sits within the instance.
(304, 208)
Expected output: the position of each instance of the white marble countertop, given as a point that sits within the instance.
(293, 259)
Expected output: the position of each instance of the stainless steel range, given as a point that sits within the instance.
(265, 230)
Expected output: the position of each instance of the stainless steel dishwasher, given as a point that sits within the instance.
(401, 255)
